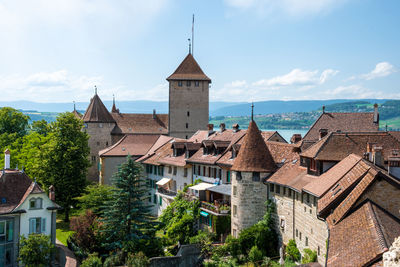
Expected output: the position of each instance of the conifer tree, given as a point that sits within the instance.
(127, 219)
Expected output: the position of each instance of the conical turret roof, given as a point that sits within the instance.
(97, 112)
(189, 70)
(254, 155)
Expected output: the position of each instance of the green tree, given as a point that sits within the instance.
(13, 121)
(41, 127)
(36, 250)
(292, 252)
(128, 220)
(65, 160)
(309, 256)
(255, 254)
(95, 198)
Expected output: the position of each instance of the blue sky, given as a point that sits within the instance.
(57, 50)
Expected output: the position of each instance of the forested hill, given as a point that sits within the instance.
(389, 112)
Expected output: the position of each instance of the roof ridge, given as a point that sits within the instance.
(378, 230)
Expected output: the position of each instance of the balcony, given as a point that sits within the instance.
(166, 193)
(219, 208)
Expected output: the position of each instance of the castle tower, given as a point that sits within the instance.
(188, 99)
(253, 164)
(98, 125)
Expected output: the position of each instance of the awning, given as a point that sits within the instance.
(203, 213)
(201, 186)
(163, 181)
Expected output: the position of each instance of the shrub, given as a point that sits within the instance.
(309, 256)
(116, 259)
(204, 240)
(35, 250)
(137, 260)
(92, 261)
(233, 246)
(255, 254)
(292, 251)
(87, 234)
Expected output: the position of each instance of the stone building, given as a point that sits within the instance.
(188, 99)
(251, 167)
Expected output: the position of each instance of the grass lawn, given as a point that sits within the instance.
(62, 228)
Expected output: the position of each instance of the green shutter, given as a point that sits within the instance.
(43, 225)
(160, 201)
(32, 223)
(228, 176)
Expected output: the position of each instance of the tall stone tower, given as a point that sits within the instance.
(188, 99)
(98, 125)
(253, 164)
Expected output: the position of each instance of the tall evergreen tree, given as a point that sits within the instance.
(65, 160)
(127, 220)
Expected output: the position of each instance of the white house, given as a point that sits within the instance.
(24, 209)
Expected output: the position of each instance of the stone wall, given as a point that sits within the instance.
(99, 139)
(385, 195)
(188, 255)
(109, 166)
(247, 201)
(297, 219)
(188, 104)
(391, 258)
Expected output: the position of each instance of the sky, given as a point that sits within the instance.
(253, 50)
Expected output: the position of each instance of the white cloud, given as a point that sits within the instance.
(382, 69)
(295, 8)
(298, 77)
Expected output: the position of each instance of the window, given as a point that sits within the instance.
(6, 242)
(93, 158)
(188, 113)
(315, 201)
(278, 189)
(306, 241)
(196, 83)
(228, 176)
(300, 236)
(100, 125)
(169, 169)
(256, 176)
(271, 188)
(160, 200)
(234, 233)
(185, 172)
(180, 83)
(219, 173)
(107, 143)
(175, 170)
(198, 170)
(234, 210)
(234, 190)
(284, 190)
(313, 166)
(297, 233)
(209, 171)
(187, 125)
(186, 138)
(290, 192)
(37, 225)
(305, 209)
(188, 83)
(204, 170)
(238, 176)
(35, 203)
(155, 199)
(308, 198)
(282, 224)
(318, 250)
(98, 143)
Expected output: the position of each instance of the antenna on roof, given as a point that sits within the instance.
(193, 35)
(252, 110)
(189, 46)
(95, 89)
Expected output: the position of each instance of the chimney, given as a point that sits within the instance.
(376, 114)
(52, 193)
(235, 127)
(7, 159)
(377, 156)
(222, 127)
(154, 114)
(322, 133)
(295, 138)
(210, 128)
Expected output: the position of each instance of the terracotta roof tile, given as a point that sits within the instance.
(361, 238)
(337, 146)
(189, 70)
(199, 136)
(292, 175)
(130, 144)
(162, 140)
(254, 155)
(345, 122)
(163, 151)
(97, 112)
(14, 185)
(129, 123)
(325, 181)
(395, 134)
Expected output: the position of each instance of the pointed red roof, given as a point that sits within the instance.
(97, 112)
(189, 70)
(254, 155)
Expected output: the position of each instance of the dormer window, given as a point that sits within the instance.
(175, 152)
(35, 203)
(313, 165)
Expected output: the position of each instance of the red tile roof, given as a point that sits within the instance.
(337, 146)
(189, 70)
(128, 123)
(345, 122)
(254, 155)
(130, 144)
(361, 238)
(15, 186)
(395, 134)
(162, 140)
(97, 112)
